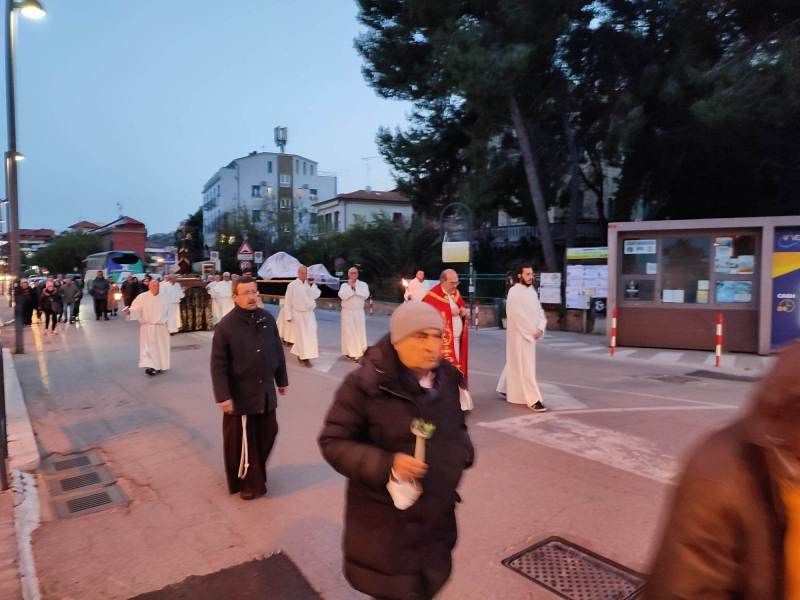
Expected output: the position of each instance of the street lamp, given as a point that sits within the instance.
(34, 10)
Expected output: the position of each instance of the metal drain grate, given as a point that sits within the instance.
(79, 481)
(88, 503)
(84, 477)
(60, 462)
(575, 573)
(186, 347)
(71, 463)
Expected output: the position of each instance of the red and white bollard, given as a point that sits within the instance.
(718, 348)
(476, 314)
(371, 309)
(613, 346)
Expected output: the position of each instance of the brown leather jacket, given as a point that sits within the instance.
(724, 538)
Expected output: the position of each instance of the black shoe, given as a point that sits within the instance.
(150, 371)
(106, 317)
(539, 407)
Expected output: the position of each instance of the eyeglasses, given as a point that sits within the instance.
(248, 293)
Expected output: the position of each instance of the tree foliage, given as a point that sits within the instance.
(65, 254)
(234, 227)
(692, 102)
(190, 232)
(381, 249)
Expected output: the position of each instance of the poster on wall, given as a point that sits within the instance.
(585, 282)
(734, 291)
(785, 287)
(550, 288)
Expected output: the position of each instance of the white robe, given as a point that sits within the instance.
(173, 294)
(354, 326)
(300, 304)
(285, 330)
(524, 317)
(152, 312)
(417, 290)
(221, 293)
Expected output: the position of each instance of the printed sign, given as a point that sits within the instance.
(640, 247)
(598, 252)
(245, 252)
(259, 258)
(213, 256)
(785, 287)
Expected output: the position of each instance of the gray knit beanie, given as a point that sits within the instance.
(412, 317)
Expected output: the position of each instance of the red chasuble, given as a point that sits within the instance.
(438, 299)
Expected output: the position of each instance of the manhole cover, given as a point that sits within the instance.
(723, 376)
(186, 347)
(575, 573)
(89, 503)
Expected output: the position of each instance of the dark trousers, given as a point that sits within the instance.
(100, 307)
(261, 432)
(50, 317)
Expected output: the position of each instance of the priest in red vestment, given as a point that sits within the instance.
(447, 300)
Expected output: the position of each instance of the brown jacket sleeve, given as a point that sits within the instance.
(697, 555)
(343, 440)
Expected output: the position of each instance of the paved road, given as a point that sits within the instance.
(595, 470)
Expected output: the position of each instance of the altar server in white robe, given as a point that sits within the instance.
(151, 309)
(284, 327)
(173, 294)
(526, 323)
(301, 300)
(353, 294)
(221, 292)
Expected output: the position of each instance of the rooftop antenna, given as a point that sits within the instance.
(119, 208)
(281, 137)
(367, 165)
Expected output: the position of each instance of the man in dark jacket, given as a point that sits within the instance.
(130, 289)
(25, 299)
(99, 292)
(400, 525)
(734, 528)
(247, 362)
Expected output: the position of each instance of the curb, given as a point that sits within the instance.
(23, 456)
(22, 451)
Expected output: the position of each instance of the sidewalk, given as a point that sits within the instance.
(23, 455)
(596, 346)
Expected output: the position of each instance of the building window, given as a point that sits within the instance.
(287, 228)
(639, 270)
(255, 191)
(286, 180)
(336, 221)
(328, 222)
(305, 166)
(269, 166)
(397, 218)
(256, 216)
(269, 191)
(685, 267)
(284, 203)
(312, 195)
(312, 218)
(311, 168)
(297, 167)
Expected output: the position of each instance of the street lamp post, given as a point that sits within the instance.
(32, 9)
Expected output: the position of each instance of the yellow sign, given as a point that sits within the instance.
(599, 252)
(455, 252)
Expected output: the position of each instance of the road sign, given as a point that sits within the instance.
(213, 255)
(259, 258)
(245, 265)
(245, 252)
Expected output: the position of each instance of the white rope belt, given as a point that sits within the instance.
(244, 461)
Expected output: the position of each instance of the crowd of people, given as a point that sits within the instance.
(397, 431)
